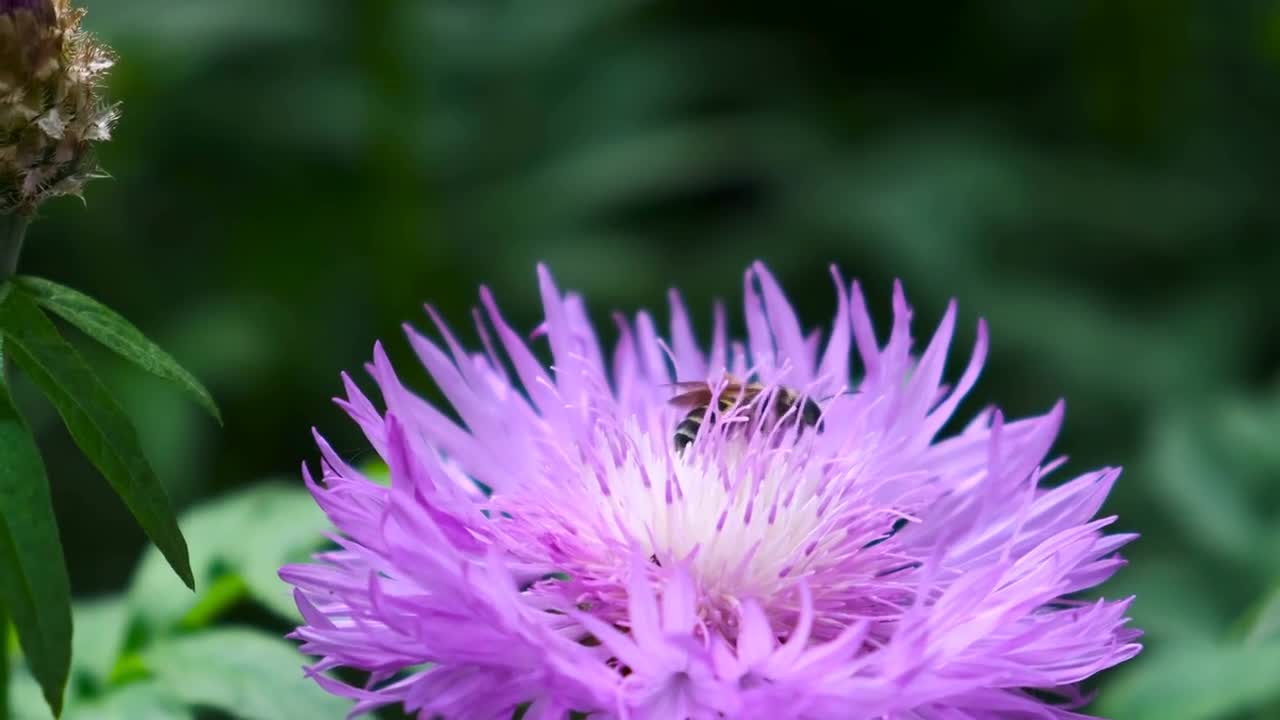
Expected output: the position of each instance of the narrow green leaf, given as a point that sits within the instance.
(100, 625)
(250, 674)
(95, 421)
(33, 579)
(26, 699)
(119, 335)
(4, 662)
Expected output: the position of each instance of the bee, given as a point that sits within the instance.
(697, 398)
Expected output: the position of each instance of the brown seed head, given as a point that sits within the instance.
(42, 8)
(51, 108)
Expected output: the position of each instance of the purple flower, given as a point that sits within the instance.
(780, 565)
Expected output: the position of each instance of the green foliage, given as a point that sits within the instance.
(1264, 623)
(97, 423)
(1213, 637)
(239, 542)
(247, 673)
(113, 331)
(1093, 178)
(34, 586)
(33, 577)
(99, 640)
(143, 700)
(1214, 466)
(156, 652)
(1197, 684)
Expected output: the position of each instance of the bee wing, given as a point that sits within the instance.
(691, 399)
(692, 394)
(687, 385)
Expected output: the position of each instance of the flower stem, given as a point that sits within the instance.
(13, 230)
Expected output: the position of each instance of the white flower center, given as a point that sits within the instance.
(746, 519)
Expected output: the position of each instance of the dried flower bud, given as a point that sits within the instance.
(51, 109)
(43, 8)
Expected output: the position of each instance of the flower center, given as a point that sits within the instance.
(746, 519)
(749, 512)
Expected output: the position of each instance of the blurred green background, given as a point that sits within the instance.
(293, 178)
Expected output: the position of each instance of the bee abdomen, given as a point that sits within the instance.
(802, 410)
(687, 430)
(811, 413)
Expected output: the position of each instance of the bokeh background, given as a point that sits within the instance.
(292, 179)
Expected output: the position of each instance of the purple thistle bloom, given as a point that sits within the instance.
(852, 567)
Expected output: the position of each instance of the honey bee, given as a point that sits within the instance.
(697, 397)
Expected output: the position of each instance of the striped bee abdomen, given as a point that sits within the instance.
(687, 430)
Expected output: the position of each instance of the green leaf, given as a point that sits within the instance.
(249, 674)
(142, 700)
(33, 578)
(147, 700)
(4, 660)
(95, 421)
(26, 701)
(118, 334)
(240, 541)
(377, 471)
(101, 624)
(1175, 604)
(284, 526)
(99, 636)
(1265, 625)
(1205, 496)
(1194, 683)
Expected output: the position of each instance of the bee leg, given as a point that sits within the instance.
(897, 525)
(654, 559)
(900, 568)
